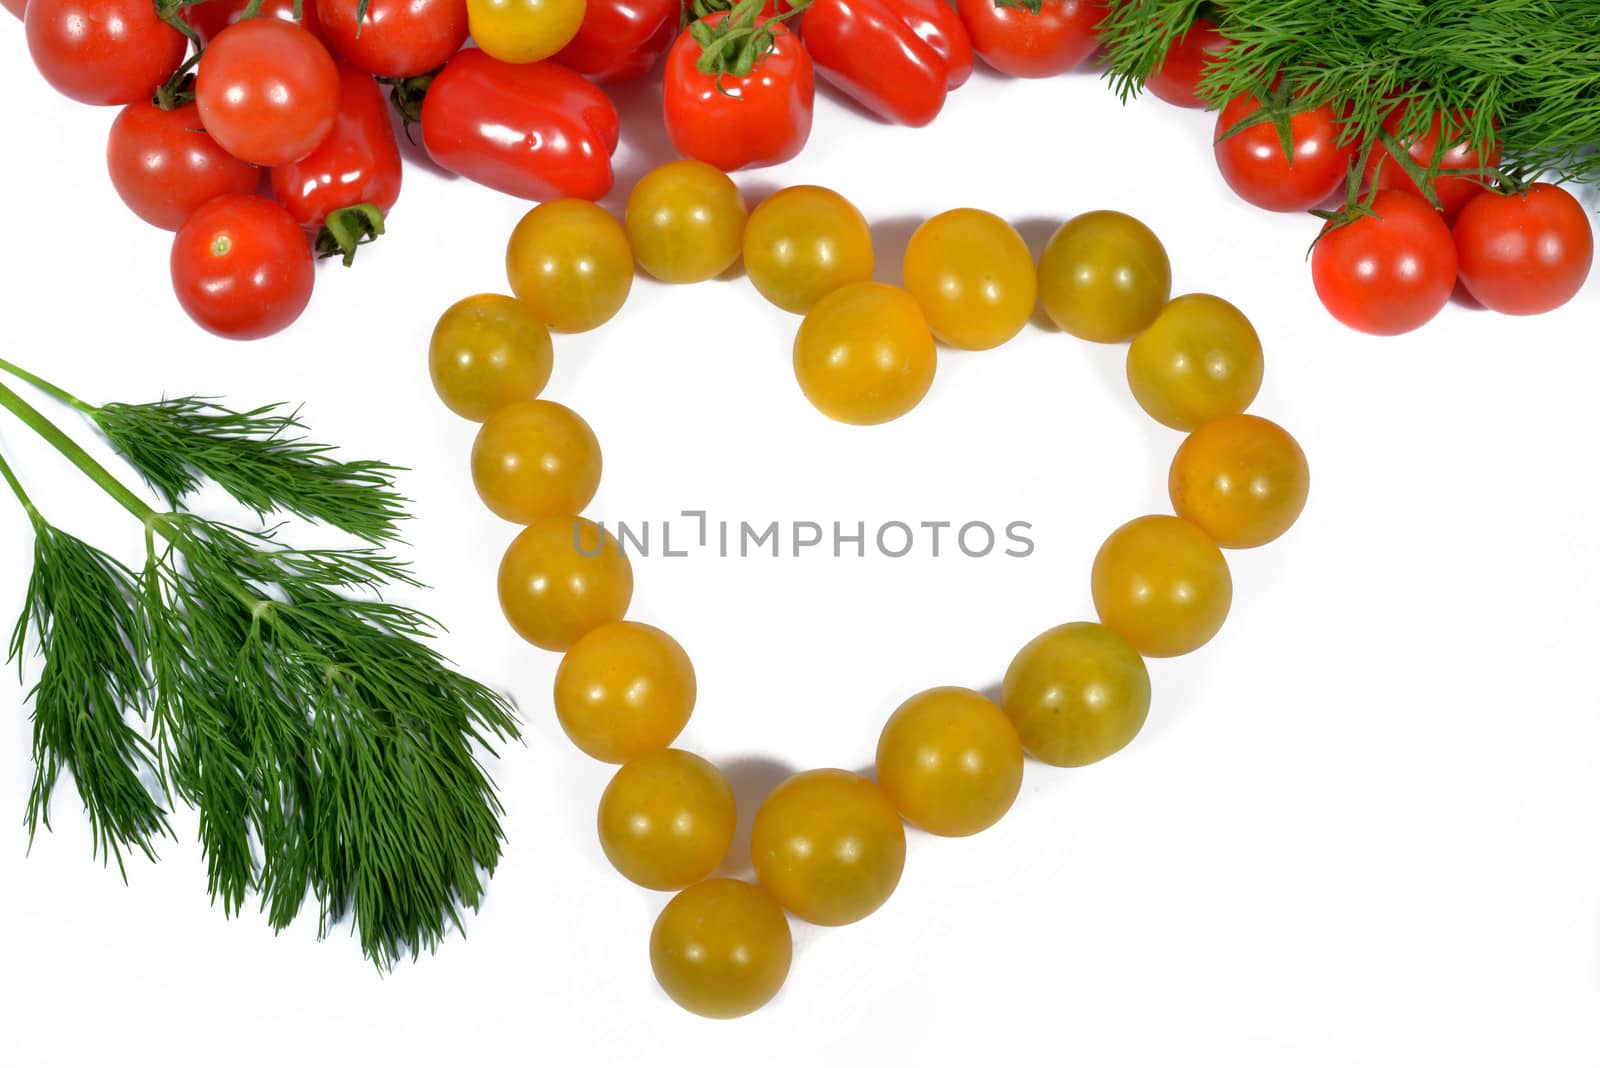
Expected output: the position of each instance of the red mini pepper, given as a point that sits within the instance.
(739, 95)
(620, 40)
(897, 58)
(534, 130)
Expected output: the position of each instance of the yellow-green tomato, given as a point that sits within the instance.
(864, 354)
(828, 846)
(1241, 479)
(721, 949)
(570, 262)
(623, 690)
(535, 459)
(1200, 360)
(950, 761)
(488, 351)
(804, 242)
(1161, 582)
(1076, 694)
(667, 819)
(1104, 277)
(685, 221)
(524, 31)
(973, 276)
(561, 578)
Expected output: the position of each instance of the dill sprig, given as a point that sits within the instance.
(1525, 71)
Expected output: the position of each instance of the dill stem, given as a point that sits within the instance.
(34, 420)
(16, 487)
(47, 387)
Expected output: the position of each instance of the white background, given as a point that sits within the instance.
(1361, 827)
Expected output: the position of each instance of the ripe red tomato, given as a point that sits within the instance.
(398, 38)
(1524, 253)
(621, 39)
(1252, 161)
(16, 7)
(214, 16)
(1388, 272)
(731, 122)
(357, 163)
(241, 267)
(164, 165)
(1177, 80)
(1453, 190)
(1017, 42)
(268, 91)
(897, 58)
(102, 51)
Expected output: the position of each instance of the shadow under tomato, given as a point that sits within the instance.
(752, 779)
(1036, 233)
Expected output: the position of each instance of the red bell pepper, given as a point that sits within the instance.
(534, 130)
(620, 40)
(739, 90)
(897, 58)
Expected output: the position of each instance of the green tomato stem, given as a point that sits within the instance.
(34, 420)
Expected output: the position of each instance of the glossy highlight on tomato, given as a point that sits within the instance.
(357, 163)
(1389, 271)
(164, 165)
(620, 40)
(1252, 161)
(523, 31)
(242, 267)
(102, 51)
(897, 58)
(1524, 253)
(1018, 42)
(1461, 167)
(397, 38)
(268, 91)
(212, 17)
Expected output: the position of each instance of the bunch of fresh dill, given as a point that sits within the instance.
(1525, 71)
(328, 749)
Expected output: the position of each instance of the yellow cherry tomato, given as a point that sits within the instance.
(488, 351)
(1241, 479)
(804, 242)
(1161, 583)
(864, 354)
(828, 846)
(524, 31)
(721, 949)
(623, 690)
(1104, 277)
(667, 819)
(685, 221)
(561, 578)
(950, 761)
(973, 276)
(570, 262)
(535, 459)
(1076, 694)
(1200, 360)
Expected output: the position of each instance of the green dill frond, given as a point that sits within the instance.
(258, 457)
(83, 612)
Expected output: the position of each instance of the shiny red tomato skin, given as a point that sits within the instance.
(897, 58)
(759, 120)
(1024, 45)
(1524, 253)
(1177, 80)
(1389, 273)
(534, 130)
(398, 38)
(621, 40)
(16, 7)
(1254, 166)
(102, 51)
(1453, 191)
(164, 165)
(268, 91)
(214, 16)
(358, 162)
(242, 268)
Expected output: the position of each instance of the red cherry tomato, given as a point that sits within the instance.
(1524, 253)
(534, 130)
(398, 38)
(897, 58)
(757, 120)
(1453, 190)
(1177, 80)
(214, 16)
(1017, 42)
(1389, 272)
(164, 165)
(268, 91)
(102, 51)
(16, 7)
(242, 267)
(620, 40)
(1252, 160)
(358, 163)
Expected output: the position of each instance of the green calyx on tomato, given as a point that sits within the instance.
(348, 229)
(1279, 107)
(406, 96)
(1032, 7)
(736, 44)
